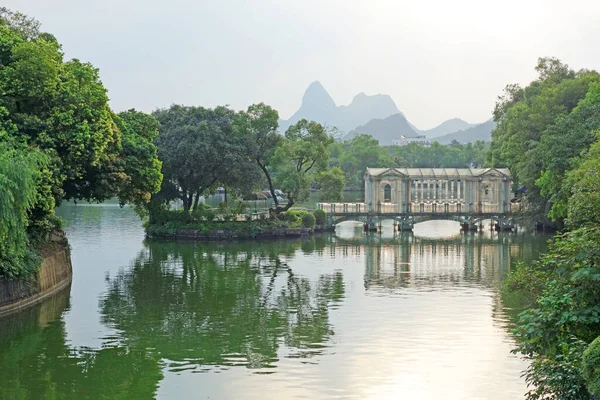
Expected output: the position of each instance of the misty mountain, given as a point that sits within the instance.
(446, 127)
(317, 105)
(478, 132)
(385, 130)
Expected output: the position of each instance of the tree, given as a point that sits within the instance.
(263, 140)
(584, 186)
(201, 148)
(62, 109)
(58, 131)
(331, 184)
(560, 147)
(539, 130)
(139, 157)
(18, 174)
(301, 156)
(555, 333)
(358, 154)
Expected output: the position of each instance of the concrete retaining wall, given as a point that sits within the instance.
(55, 274)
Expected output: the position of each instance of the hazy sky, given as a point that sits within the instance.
(437, 59)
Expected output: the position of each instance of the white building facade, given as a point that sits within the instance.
(438, 190)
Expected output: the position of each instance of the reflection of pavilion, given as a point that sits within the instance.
(409, 260)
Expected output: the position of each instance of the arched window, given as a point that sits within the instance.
(387, 194)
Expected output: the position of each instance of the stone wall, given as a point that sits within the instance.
(218, 235)
(55, 274)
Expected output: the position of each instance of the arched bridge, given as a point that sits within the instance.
(412, 195)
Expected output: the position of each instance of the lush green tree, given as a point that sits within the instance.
(591, 366)
(299, 159)
(554, 334)
(61, 108)
(58, 111)
(138, 157)
(263, 140)
(456, 155)
(560, 147)
(202, 148)
(356, 155)
(530, 122)
(584, 187)
(19, 171)
(331, 185)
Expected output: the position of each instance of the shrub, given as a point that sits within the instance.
(290, 216)
(590, 366)
(308, 220)
(319, 217)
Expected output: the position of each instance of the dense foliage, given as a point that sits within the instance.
(363, 151)
(19, 171)
(541, 131)
(58, 111)
(242, 151)
(548, 133)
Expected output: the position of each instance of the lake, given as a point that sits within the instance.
(347, 315)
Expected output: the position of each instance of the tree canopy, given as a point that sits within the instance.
(549, 134)
(542, 128)
(58, 110)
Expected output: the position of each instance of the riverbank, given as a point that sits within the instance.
(54, 274)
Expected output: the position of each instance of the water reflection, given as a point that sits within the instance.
(352, 315)
(201, 306)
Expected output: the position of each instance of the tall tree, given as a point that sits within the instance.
(530, 122)
(302, 155)
(201, 148)
(264, 140)
(19, 171)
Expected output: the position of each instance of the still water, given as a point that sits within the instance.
(348, 315)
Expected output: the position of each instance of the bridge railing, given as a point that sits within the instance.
(343, 208)
(417, 207)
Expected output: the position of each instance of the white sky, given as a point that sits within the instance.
(437, 59)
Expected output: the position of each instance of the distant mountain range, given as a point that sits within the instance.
(378, 116)
(473, 134)
(385, 130)
(317, 105)
(452, 125)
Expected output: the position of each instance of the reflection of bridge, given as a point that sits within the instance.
(412, 195)
(410, 260)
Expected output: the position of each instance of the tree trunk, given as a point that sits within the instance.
(187, 202)
(270, 181)
(289, 205)
(196, 200)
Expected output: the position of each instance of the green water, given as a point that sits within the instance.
(348, 315)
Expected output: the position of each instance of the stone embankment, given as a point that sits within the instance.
(55, 274)
(226, 235)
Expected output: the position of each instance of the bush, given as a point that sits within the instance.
(290, 216)
(319, 217)
(590, 366)
(308, 220)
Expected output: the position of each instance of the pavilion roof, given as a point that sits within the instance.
(441, 173)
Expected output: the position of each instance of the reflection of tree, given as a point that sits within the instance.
(36, 362)
(179, 306)
(215, 305)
